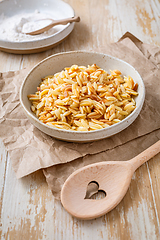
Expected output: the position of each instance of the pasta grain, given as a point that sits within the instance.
(83, 98)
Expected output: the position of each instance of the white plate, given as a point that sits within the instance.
(57, 63)
(55, 8)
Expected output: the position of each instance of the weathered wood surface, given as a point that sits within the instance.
(27, 207)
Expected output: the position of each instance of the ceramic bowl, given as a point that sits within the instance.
(55, 8)
(57, 63)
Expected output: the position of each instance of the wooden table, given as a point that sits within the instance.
(28, 209)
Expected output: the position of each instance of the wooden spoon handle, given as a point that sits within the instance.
(65, 21)
(54, 23)
(145, 155)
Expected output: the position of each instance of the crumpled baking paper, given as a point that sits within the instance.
(30, 149)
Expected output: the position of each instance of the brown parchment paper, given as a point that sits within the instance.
(30, 149)
(57, 174)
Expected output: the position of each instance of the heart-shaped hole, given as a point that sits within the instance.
(93, 191)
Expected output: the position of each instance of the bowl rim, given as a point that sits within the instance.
(137, 110)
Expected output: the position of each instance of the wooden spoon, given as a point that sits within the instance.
(113, 177)
(48, 26)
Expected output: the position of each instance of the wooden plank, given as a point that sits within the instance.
(9, 62)
(23, 212)
(141, 18)
(139, 208)
(153, 168)
(3, 166)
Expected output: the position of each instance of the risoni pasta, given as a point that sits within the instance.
(84, 98)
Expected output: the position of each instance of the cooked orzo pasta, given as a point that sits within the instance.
(84, 98)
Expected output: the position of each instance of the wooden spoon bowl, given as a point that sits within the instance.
(113, 178)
